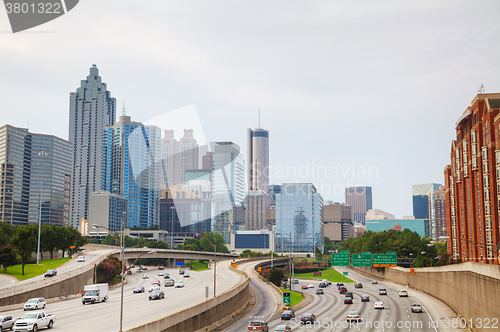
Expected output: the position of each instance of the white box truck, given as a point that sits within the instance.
(95, 293)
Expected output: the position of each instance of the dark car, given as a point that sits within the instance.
(349, 294)
(340, 284)
(320, 291)
(50, 273)
(258, 325)
(382, 291)
(348, 300)
(139, 289)
(287, 315)
(358, 285)
(156, 295)
(308, 318)
(181, 271)
(365, 298)
(322, 285)
(343, 290)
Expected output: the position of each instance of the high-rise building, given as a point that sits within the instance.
(108, 210)
(31, 164)
(177, 157)
(258, 160)
(421, 226)
(207, 160)
(299, 218)
(421, 193)
(228, 189)
(338, 222)
(360, 199)
(437, 213)
(378, 214)
(257, 202)
(91, 109)
(471, 181)
(131, 154)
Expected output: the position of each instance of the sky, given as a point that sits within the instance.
(352, 92)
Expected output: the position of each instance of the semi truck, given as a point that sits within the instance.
(95, 293)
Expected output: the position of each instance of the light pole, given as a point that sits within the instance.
(40, 154)
(411, 260)
(314, 240)
(122, 256)
(172, 209)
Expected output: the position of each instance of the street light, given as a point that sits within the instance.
(411, 260)
(172, 208)
(123, 257)
(40, 154)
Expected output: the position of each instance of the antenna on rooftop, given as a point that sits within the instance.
(259, 117)
(123, 109)
(481, 89)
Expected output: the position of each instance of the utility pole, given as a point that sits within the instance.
(290, 263)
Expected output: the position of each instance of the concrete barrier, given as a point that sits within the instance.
(471, 289)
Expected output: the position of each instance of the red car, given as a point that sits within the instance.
(157, 282)
(305, 287)
(161, 267)
(343, 290)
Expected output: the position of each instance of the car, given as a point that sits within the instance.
(378, 305)
(358, 285)
(169, 283)
(156, 282)
(153, 288)
(166, 276)
(287, 315)
(322, 285)
(156, 295)
(296, 281)
(349, 294)
(340, 284)
(160, 274)
(182, 271)
(51, 273)
(161, 267)
(186, 275)
(319, 291)
(382, 291)
(7, 322)
(374, 282)
(144, 267)
(326, 281)
(305, 287)
(343, 290)
(35, 304)
(308, 318)
(258, 325)
(139, 270)
(310, 286)
(348, 300)
(80, 259)
(365, 298)
(282, 328)
(129, 272)
(353, 316)
(145, 276)
(416, 307)
(403, 293)
(139, 289)
(179, 284)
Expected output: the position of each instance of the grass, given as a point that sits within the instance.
(330, 274)
(295, 297)
(199, 266)
(33, 270)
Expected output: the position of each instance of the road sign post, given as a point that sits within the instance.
(345, 273)
(362, 260)
(287, 299)
(385, 260)
(341, 259)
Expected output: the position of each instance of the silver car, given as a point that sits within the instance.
(7, 322)
(35, 304)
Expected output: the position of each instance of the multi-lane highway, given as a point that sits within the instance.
(71, 315)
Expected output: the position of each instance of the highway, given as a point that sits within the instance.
(72, 315)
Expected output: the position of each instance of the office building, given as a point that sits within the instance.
(207, 160)
(338, 222)
(299, 219)
(131, 152)
(257, 202)
(360, 200)
(472, 185)
(108, 210)
(228, 189)
(421, 193)
(437, 213)
(31, 164)
(273, 190)
(258, 160)
(421, 226)
(378, 214)
(91, 109)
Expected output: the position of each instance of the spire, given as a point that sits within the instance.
(259, 117)
(123, 110)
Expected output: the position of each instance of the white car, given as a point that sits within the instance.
(378, 305)
(153, 288)
(80, 259)
(161, 273)
(179, 283)
(7, 322)
(35, 304)
(353, 316)
(310, 286)
(145, 276)
(403, 293)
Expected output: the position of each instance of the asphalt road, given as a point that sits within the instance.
(72, 315)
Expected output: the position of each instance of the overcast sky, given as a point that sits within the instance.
(369, 90)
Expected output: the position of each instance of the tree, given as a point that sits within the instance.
(69, 237)
(6, 233)
(216, 239)
(109, 240)
(191, 244)
(25, 242)
(50, 236)
(275, 276)
(7, 257)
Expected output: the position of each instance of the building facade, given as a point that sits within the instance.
(257, 202)
(360, 199)
(108, 210)
(421, 226)
(91, 109)
(258, 159)
(338, 222)
(420, 196)
(299, 219)
(378, 214)
(36, 177)
(131, 152)
(472, 184)
(437, 213)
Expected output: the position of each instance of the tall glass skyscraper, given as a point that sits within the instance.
(299, 218)
(360, 199)
(131, 155)
(91, 109)
(228, 189)
(258, 159)
(29, 164)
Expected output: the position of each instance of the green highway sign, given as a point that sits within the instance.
(343, 258)
(385, 260)
(345, 273)
(287, 299)
(362, 260)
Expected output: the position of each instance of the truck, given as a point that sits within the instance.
(34, 320)
(95, 293)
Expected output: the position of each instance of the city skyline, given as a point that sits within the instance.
(366, 81)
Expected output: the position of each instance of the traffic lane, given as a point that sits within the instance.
(6, 280)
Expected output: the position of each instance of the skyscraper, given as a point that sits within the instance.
(258, 159)
(228, 189)
(360, 199)
(29, 164)
(421, 193)
(131, 154)
(91, 109)
(437, 217)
